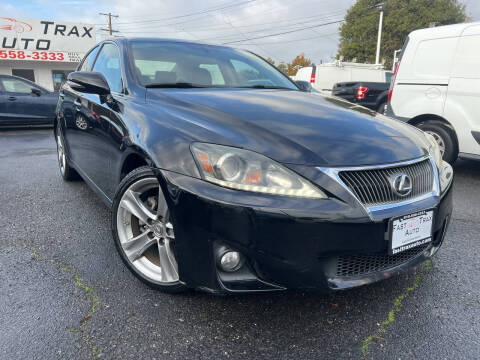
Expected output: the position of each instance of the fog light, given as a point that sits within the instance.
(230, 261)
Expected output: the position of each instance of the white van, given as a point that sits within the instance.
(436, 87)
(324, 76)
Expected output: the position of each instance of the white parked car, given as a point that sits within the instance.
(324, 76)
(436, 87)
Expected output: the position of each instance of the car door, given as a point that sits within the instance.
(3, 104)
(110, 112)
(26, 103)
(98, 119)
(462, 108)
(74, 118)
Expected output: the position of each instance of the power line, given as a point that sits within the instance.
(285, 32)
(199, 17)
(227, 37)
(281, 28)
(307, 27)
(279, 42)
(143, 17)
(243, 39)
(289, 23)
(190, 14)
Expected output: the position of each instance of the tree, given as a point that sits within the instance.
(270, 60)
(282, 67)
(297, 63)
(358, 35)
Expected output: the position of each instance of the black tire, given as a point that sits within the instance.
(442, 130)
(66, 170)
(381, 108)
(133, 177)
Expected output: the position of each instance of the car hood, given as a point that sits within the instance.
(290, 126)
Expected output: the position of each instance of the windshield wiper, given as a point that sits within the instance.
(265, 87)
(182, 85)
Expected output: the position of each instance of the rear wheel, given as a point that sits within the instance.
(144, 233)
(444, 138)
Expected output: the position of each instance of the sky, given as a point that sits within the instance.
(248, 24)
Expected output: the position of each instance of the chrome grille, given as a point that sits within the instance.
(374, 186)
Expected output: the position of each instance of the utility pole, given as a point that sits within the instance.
(110, 30)
(380, 25)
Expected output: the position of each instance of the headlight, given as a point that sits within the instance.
(446, 175)
(445, 170)
(434, 150)
(246, 170)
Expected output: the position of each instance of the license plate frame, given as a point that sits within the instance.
(397, 244)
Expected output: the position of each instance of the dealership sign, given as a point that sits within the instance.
(43, 40)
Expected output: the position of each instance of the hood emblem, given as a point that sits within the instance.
(402, 184)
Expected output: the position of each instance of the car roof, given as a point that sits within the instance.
(129, 39)
(441, 31)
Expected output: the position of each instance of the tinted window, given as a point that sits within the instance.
(210, 66)
(88, 62)
(24, 73)
(149, 70)
(215, 73)
(245, 72)
(108, 64)
(16, 86)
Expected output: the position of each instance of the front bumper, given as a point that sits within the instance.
(288, 243)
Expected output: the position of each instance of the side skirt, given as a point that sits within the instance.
(92, 185)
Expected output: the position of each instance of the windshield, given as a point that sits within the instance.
(171, 64)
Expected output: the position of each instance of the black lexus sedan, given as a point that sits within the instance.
(222, 175)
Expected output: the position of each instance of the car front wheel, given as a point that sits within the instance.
(444, 138)
(144, 233)
(68, 173)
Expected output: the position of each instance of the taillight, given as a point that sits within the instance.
(392, 82)
(312, 78)
(362, 92)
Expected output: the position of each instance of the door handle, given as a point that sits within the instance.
(11, 98)
(62, 95)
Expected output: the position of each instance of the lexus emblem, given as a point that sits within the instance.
(402, 184)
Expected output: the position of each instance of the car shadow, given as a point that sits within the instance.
(468, 168)
(294, 320)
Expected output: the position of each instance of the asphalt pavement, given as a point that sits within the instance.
(65, 294)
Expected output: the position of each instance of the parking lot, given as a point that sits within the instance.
(64, 292)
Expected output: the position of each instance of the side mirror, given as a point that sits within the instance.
(36, 92)
(304, 86)
(88, 82)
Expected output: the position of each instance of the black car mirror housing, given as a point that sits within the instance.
(36, 92)
(88, 82)
(304, 86)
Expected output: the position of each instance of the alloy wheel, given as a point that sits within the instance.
(62, 161)
(145, 232)
(439, 140)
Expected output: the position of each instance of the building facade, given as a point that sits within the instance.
(43, 51)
